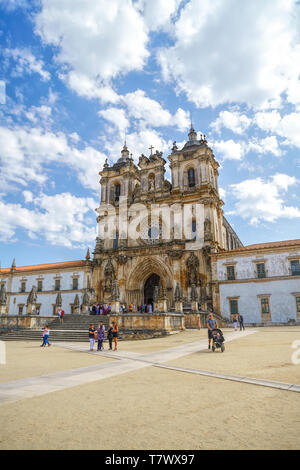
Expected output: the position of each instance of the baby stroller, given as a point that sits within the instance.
(218, 339)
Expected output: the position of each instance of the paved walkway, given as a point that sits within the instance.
(127, 362)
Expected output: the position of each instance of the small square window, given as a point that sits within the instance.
(20, 309)
(75, 283)
(23, 286)
(57, 284)
(40, 286)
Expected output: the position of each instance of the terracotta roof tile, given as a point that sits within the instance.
(40, 267)
(260, 246)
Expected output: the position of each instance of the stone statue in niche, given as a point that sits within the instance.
(3, 296)
(192, 270)
(207, 230)
(32, 297)
(109, 276)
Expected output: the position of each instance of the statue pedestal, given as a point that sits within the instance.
(195, 306)
(31, 308)
(3, 310)
(162, 305)
(84, 309)
(76, 310)
(115, 306)
(178, 307)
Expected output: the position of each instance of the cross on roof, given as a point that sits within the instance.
(151, 148)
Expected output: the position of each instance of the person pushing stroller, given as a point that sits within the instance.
(214, 334)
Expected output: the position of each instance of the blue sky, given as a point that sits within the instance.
(78, 74)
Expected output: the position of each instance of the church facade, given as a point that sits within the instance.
(165, 243)
(163, 232)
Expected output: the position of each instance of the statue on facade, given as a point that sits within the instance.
(76, 301)
(3, 296)
(58, 301)
(109, 276)
(207, 230)
(115, 295)
(192, 269)
(86, 298)
(32, 297)
(156, 294)
(194, 293)
(177, 293)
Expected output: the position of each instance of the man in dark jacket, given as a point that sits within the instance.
(241, 321)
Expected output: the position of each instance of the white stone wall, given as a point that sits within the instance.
(278, 285)
(282, 301)
(47, 298)
(276, 264)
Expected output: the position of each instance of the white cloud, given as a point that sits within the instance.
(231, 51)
(25, 154)
(259, 200)
(97, 40)
(229, 150)
(117, 117)
(146, 110)
(26, 62)
(234, 121)
(61, 219)
(157, 13)
(267, 145)
(287, 126)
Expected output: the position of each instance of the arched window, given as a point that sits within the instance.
(117, 192)
(191, 177)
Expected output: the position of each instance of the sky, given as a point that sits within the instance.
(76, 76)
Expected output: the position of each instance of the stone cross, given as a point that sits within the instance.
(151, 148)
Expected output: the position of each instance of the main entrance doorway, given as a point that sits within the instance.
(150, 284)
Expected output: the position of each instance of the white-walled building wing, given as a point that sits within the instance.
(261, 282)
(65, 279)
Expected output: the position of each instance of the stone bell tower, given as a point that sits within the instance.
(195, 180)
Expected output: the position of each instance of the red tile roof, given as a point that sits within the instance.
(263, 246)
(41, 267)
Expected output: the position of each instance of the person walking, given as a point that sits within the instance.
(110, 336)
(100, 336)
(59, 315)
(241, 321)
(211, 325)
(92, 336)
(46, 333)
(115, 334)
(234, 323)
(62, 316)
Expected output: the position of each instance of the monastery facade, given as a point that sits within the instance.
(164, 243)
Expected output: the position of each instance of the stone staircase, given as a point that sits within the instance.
(73, 329)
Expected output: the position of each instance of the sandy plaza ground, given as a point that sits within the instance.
(64, 397)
